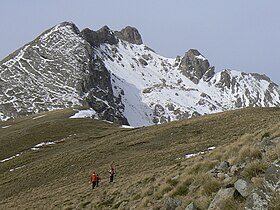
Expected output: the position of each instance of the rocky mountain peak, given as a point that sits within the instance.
(70, 25)
(195, 66)
(260, 77)
(193, 52)
(103, 35)
(106, 35)
(130, 34)
(226, 79)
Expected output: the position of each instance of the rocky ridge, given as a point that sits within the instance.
(249, 190)
(123, 80)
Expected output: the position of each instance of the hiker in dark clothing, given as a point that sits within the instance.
(112, 173)
(98, 179)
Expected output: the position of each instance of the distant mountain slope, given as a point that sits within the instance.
(123, 80)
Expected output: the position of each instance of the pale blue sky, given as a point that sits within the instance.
(240, 34)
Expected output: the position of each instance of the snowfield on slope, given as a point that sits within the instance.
(158, 82)
(147, 80)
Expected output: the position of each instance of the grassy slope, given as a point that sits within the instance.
(56, 177)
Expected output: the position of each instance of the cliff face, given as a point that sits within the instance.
(121, 79)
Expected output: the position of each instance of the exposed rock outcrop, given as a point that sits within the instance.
(195, 66)
(255, 197)
(221, 196)
(261, 197)
(100, 95)
(130, 34)
(191, 206)
(171, 203)
(103, 35)
(243, 187)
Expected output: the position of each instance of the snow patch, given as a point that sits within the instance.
(191, 155)
(89, 113)
(200, 57)
(187, 156)
(10, 158)
(108, 121)
(34, 118)
(13, 169)
(126, 126)
(211, 148)
(7, 126)
(3, 118)
(36, 147)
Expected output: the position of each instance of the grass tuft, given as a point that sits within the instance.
(274, 153)
(254, 169)
(249, 152)
(232, 204)
(275, 202)
(172, 182)
(183, 188)
(210, 185)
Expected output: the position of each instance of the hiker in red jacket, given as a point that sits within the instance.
(94, 179)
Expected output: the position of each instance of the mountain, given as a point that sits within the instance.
(227, 160)
(123, 80)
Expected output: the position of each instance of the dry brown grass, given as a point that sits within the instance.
(183, 188)
(275, 202)
(249, 152)
(275, 130)
(203, 165)
(257, 181)
(254, 168)
(56, 177)
(172, 182)
(274, 153)
(209, 184)
(232, 204)
(202, 201)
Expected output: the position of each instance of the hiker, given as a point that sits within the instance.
(112, 173)
(98, 179)
(94, 180)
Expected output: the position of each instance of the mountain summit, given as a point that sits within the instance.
(123, 80)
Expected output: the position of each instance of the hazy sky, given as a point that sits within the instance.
(240, 34)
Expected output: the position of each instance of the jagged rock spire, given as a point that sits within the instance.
(106, 35)
(103, 35)
(130, 34)
(195, 66)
